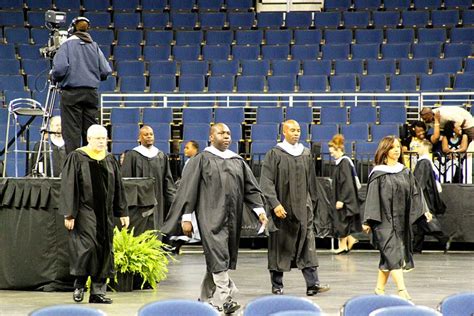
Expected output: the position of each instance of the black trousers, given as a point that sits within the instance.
(310, 275)
(79, 110)
(98, 285)
(422, 228)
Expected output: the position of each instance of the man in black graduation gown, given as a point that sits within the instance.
(91, 195)
(288, 182)
(428, 180)
(215, 184)
(53, 160)
(148, 161)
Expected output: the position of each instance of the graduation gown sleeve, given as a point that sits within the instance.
(268, 181)
(70, 184)
(424, 175)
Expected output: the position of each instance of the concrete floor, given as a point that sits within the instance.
(435, 277)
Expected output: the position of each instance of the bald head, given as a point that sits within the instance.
(146, 136)
(427, 115)
(219, 136)
(291, 131)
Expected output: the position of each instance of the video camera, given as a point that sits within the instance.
(53, 19)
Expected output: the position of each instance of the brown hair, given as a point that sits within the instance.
(337, 142)
(385, 145)
(82, 26)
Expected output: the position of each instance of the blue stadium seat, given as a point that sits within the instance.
(35, 66)
(7, 51)
(241, 20)
(271, 52)
(29, 51)
(308, 83)
(343, 83)
(157, 38)
(186, 52)
(13, 18)
(12, 95)
(469, 65)
(338, 36)
(126, 20)
(40, 5)
(189, 37)
(269, 115)
(17, 35)
(295, 19)
(132, 84)
(348, 67)
(197, 116)
(447, 65)
(278, 37)
(157, 116)
(261, 147)
(224, 37)
(271, 20)
(9, 67)
(182, 5)
(415, 18)
(457, 50)
(403, 83)
(373, 83)
(436, 82)
(356, 19)
(34, 83)
(130, 68)
(156, 20)
(210, 5)
(327, 20)
(380, 131)
(229, 115)
(444, 18)
(303, 115)
(239, 5)
(307, 37)
(162, 84)
(323, 133)
(67, 310)
(281, 84)
(108, 85)
(386, 66)
(355, 132)
(367, 4)
(365, 150)
(255, 67)
(413, 66)
(125, 116)
(386, 19)
(212, 20)
(162, 131)
(464, 82)
(99, 19)
(333, 115)
(427, 4)
(125, 5)
(465, 34)
(392, 114)
(96, 5)
(196, 131)
(396, 4)
(265, 132)
(400, 35)
(200, 68)
(67, 5)
(155, 53)
(242, 52)
(458, 4)
(427, 50)
(457, 304)
(400, 50)
(106, 50)
(365, 51)
(154, 5)
(285, 67)
(303, 52)
(335, 51)
(248, 37)
(34, 19)
(184, 21)
(127, 52)
(316, 67)
(215, 52)
(224, 67)
(363, 114)
(337, 5)
(468, 17)
(191, 83)
(102, 37)
(368, 36)
(432, 35)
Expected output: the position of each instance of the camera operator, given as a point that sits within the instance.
(78, 66)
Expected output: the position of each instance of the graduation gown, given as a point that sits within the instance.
(393, 204)
(91, 193)
(346, 221)
(216, 189)
(135, 165)
(290, 181)
(58, 155)
(425, 177)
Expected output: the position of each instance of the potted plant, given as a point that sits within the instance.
(143, 255)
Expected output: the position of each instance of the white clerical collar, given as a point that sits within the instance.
(150, 152)
(57, 141)
(223, 154)
(388, 169)
(294, 150)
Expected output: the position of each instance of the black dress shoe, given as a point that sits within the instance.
(230, 307)
(277, 290)
(315, 289)
(78, 295)
(99, 299)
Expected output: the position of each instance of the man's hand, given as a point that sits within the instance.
(339, 205)
(263, 219)
(187, 228)
(428, 216)
(125, 221)
(365, 228)
(280, 211)
(437, 117)
(69, 223)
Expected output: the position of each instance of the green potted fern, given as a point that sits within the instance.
(143, 255)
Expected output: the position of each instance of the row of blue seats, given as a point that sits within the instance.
(251, 20)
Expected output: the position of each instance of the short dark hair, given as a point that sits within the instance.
(194, 144)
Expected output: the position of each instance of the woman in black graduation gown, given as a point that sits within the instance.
(345, 186)
(394, 202)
